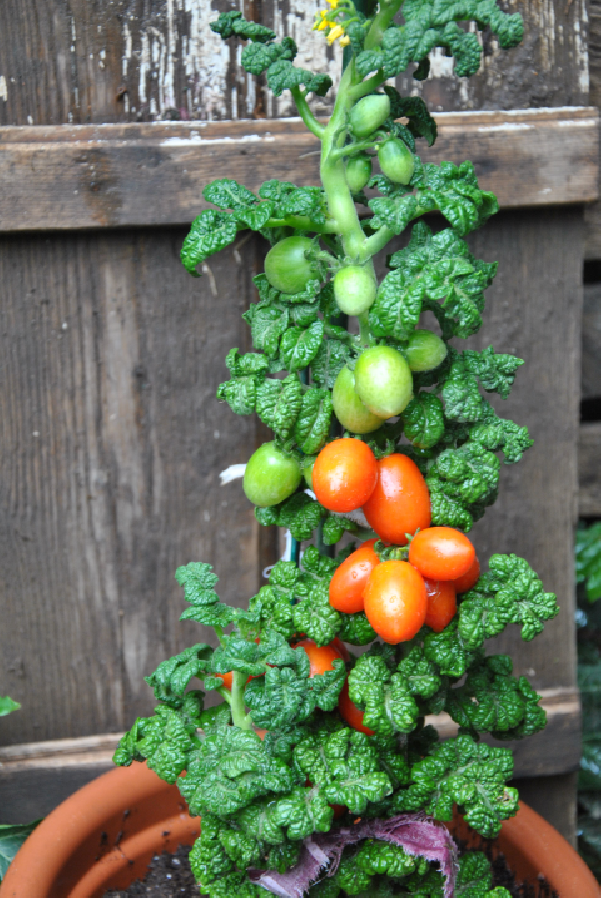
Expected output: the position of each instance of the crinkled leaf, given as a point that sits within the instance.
(356, 629)
(313, 423)
(228, 194)
(315, 617)
(230, 23)
(423, 420)
(298, 346)
(209, 232)
(282, 75)
(421, 123)
(171, 678)
(267, 324)
(257, 57)
(279, 698)
(588, 559)
(328, 362)
(278, 404)
(396, 310)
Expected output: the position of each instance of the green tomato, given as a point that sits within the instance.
(368, 114)
(348, 408)
(358, 172)
(270, 476)
(383, 381)
(354, 289)
(286, 267)
(396, 161)
(425, 351)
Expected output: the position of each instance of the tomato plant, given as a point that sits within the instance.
(441, 553)
(350, 579)
(386, 641)
(400, 501)
(344, 475)
(442, 603)
(395, 601)
(271, 475)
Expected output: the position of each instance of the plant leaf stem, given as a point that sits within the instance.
(382, 20)
(239, 715)
(305, 113)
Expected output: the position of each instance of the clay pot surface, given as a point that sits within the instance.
(104, 836)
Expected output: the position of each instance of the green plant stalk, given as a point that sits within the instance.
(381, 22)
(239, 715)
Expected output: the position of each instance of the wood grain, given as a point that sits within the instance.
(589, 470)
(591, 342)
(533, 310)
(111, 444)
(117, 175)
(150, 60)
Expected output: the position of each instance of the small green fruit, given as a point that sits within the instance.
(270, 476)
(383, 381)
(358, 172)
(348, 408)
(368, 114)
(396, 161)
(425, 351)
(286, 267)
(354, 289)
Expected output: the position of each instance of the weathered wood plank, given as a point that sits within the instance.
(111, 445)
(533, 310)
(589, 470)
(114, 61)
(114, 175)
(35, 777)
(591, 342)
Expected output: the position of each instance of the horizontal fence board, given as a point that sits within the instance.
(93, 176)
(589, 470)
(35, 777)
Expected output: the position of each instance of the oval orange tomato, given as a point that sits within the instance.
(344, 475)
(321, 657)
(442, 603)
(396, 601)
(441, 553)
(350, 579)
(462, 584)
(350, 712)
(400, 501)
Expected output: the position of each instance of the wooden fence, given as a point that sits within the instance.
(110, 355)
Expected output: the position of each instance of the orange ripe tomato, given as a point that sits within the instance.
(441, 553)
(396, 601)
(462, 584)
(321, 657)
(400, 502)
(344, 475)
(442, 603)
(350, 712)
(350, 579)
(227, 679)
(261, 733)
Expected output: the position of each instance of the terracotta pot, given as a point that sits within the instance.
(105, 834)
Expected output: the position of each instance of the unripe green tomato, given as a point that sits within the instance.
(358, 172)
(354, 289)
(286, 267)
(368, 114)
(396, 161)
(270, 476)
(348, 408)
(383, 381)
(425, 351)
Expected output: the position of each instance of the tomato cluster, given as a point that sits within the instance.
(398, 596)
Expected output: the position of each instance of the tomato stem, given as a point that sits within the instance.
(239, 716)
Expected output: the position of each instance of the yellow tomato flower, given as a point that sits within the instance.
(337, 31)
(345, 41)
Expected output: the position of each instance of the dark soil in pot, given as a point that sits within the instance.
(169, 876)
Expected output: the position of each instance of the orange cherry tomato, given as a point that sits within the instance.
(261, 733)
(441, 553)
(350, 579)
(350, 712)
(462, 584)
(396, 601)
(321, 657)
(442, 603)
(400, 501)
(228, 677)
(344, 474)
